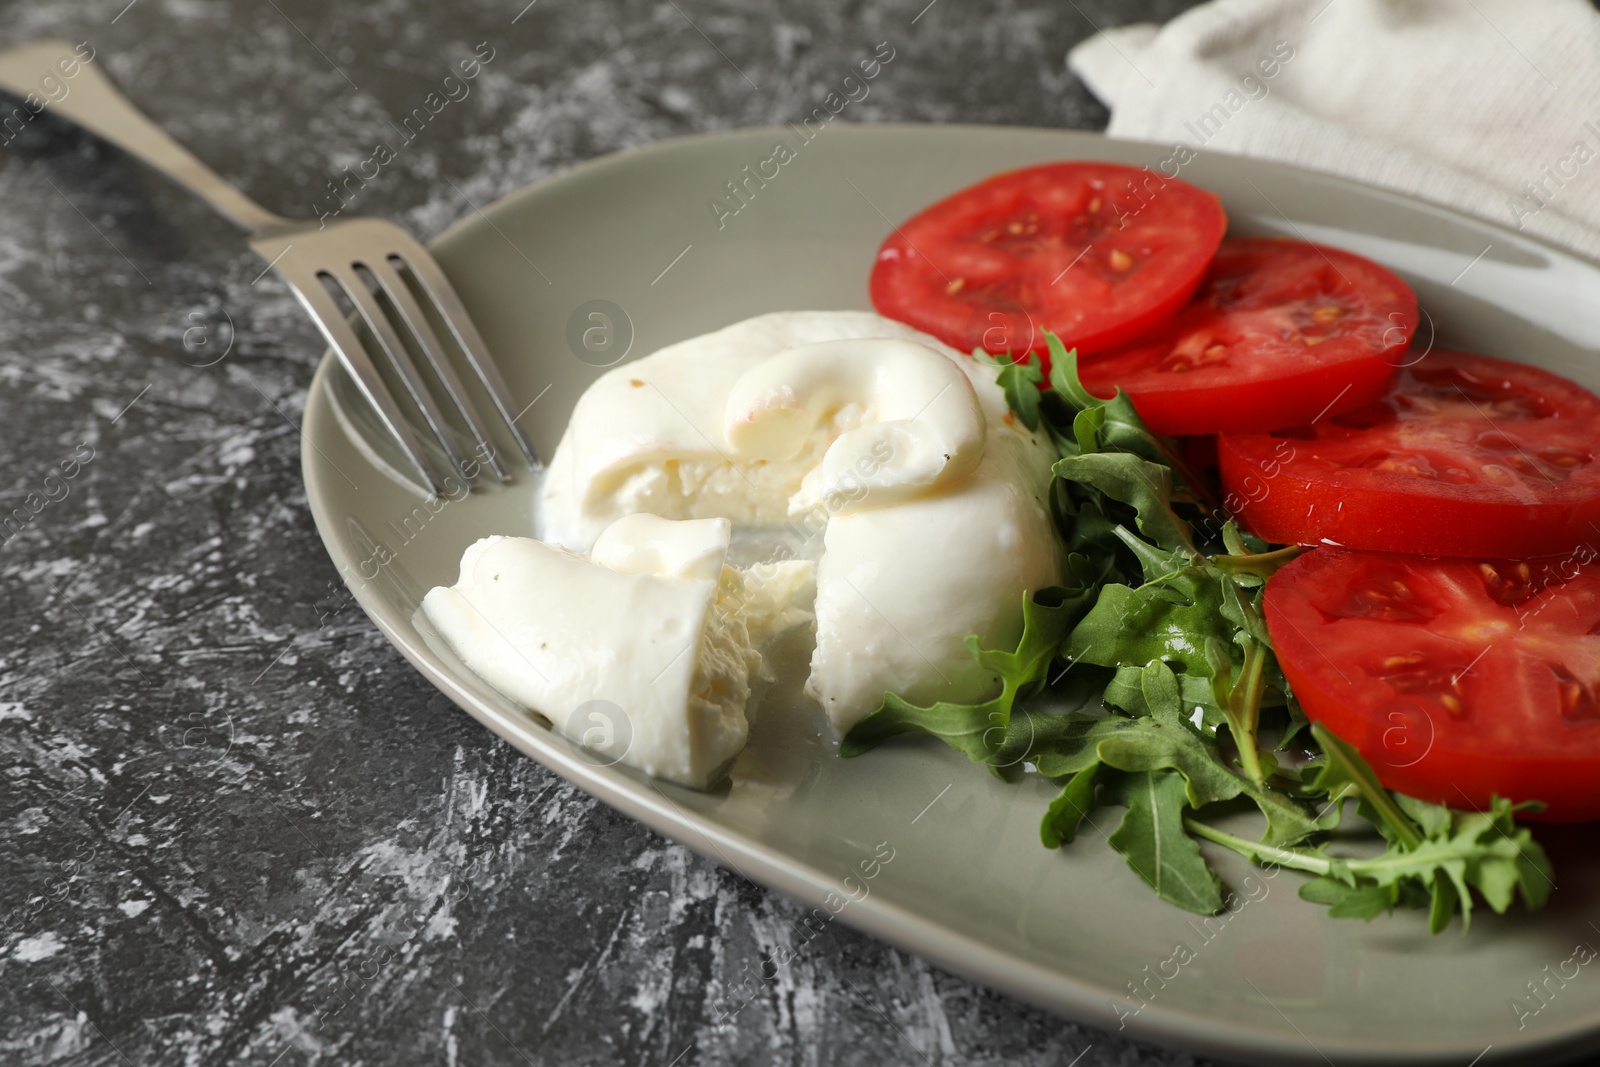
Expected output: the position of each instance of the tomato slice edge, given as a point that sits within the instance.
(1415, 746)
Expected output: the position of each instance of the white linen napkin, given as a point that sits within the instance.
(1488, 106)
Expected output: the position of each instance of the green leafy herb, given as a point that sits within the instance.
(979, 729)
(1132, 480)
(1470, 850)
(1068, 810)
(1342, 774)
(1162, 740)
(1153, 841)
(1020, 381)
(1117, 426)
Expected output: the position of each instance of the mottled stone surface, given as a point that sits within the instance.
(238, 828)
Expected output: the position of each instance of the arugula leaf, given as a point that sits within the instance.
(1120, 428)
(1152, 840)
(1020, 381)
(1068, 810)
(1252, 567)
(1168, 771)
(1070, 744)
(1146, 486)
(1241, 702)
(1169, 619)
(967, 728)
(1477, 850)
(1346, 901)
(979, 729)
(1161, 692)
(1194, 614)
(1145, 744)
(1088, 527)
(1124, 694)
(1436, 857)
(1432, 819)
(1343, 773)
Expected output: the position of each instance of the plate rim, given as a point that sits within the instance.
(1057, 992)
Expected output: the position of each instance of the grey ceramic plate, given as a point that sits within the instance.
(968, 886)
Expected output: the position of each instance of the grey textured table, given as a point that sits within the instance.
(238, 828)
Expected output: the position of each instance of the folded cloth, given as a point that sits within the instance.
(1488, 106)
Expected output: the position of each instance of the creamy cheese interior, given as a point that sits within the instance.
(651, 435)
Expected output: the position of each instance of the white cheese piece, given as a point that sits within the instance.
(652, 627)
(649, 436)
(649, 544)
(920, 424)
(900, 588)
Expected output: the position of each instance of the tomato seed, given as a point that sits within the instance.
(1561, 457)
(1495, 441)
(1498, 475)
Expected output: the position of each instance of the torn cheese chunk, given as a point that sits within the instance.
(641, 652)
(649, 544)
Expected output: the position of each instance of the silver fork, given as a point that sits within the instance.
(359, 257)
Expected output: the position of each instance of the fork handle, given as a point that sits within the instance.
(38, 71)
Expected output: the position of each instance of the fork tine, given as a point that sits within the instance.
(336, 330)
(454, 313)
(411, 315)
(389, 341)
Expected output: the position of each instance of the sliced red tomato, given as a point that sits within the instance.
(1466, 456)
(1458, 680)
(1280, 333)
(1096, 253)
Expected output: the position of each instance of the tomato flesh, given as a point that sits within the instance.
(1466, 455)
(1280, 333)
(1097, 253)
(1457, 679)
